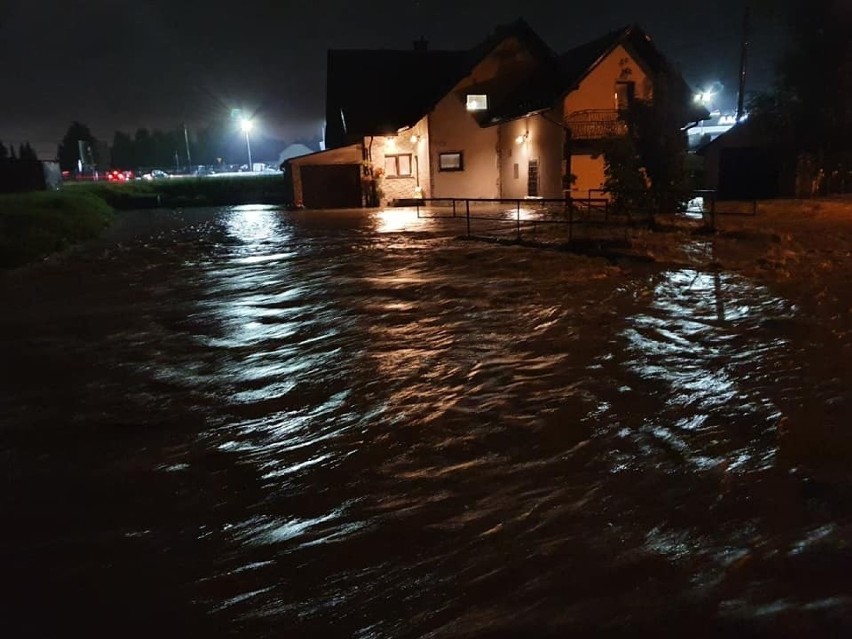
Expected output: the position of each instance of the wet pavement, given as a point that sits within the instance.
(252, 422)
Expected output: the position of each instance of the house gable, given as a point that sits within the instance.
(597, 88)
(455, 130)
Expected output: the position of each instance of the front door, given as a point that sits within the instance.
(532, 179)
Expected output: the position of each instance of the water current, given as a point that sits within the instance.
(251, 422)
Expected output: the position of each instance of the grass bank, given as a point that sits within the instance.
(186, 192)
(34, 225)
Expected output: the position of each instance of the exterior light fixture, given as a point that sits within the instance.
(390, 142)
(414, 138)
(522, 138)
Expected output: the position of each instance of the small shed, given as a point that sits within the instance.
(748, 163)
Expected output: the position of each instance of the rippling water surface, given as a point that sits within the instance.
(258, 423)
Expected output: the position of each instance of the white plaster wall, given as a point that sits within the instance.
(543, 140)
(453, 129)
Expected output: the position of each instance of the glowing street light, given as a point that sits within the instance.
(247, 125)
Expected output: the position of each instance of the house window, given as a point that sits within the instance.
(398, 165)
(451, 161)
(625, 92)
(477, 102)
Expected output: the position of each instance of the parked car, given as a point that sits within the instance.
(156, 174)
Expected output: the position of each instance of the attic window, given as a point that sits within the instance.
(477, 102)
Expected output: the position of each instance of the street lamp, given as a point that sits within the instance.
(246, 125)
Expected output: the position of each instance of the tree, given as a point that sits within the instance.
(27, 152)
(647, 168)
(811, 102)
(3, 152)
(124, 154)
(69, 148)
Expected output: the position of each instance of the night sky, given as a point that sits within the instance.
(156, 63)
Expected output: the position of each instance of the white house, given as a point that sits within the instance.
(508, 118)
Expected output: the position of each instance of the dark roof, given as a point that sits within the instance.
(552, 81)
(576, 63)
(381, 91)
(555, 79)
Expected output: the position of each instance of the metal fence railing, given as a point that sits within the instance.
(597, 214)
(517, 213)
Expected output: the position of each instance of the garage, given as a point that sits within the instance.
(328, 179)
(331, 186)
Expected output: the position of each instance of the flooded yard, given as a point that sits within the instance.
(251, 422)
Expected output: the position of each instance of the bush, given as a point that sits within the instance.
(34, 225)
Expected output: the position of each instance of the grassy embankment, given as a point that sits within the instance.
(34, 225)
(186, 192)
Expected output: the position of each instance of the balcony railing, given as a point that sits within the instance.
(596, 124)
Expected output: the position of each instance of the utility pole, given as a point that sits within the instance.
(188, 156)
(743, 66)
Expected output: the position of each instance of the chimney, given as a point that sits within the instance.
(422, 44)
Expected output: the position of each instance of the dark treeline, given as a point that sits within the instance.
(25, 152)
(156, 148)
(149, 148)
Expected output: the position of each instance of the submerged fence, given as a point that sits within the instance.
(592, 217)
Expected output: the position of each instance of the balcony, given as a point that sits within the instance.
(595, 124)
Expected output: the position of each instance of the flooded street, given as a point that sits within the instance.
(258, 423)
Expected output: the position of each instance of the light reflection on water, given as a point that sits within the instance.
(350, 419)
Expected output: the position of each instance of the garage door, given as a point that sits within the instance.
(331, 186)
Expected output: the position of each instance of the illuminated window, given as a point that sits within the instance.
(477, 102)
(398, 165)
(453, 161)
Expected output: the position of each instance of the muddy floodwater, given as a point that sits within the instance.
(257, 423)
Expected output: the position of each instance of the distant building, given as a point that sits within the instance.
(508, 118)
(293, 151)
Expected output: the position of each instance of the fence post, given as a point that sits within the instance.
(417, 204)
(570, 224)
(454, 209)
(713, 212)
(519, 219)
(467, 208)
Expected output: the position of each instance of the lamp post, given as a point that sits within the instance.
(246, 125)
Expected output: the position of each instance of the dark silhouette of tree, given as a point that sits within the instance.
(26, 152)
(124, 152)
(12, 155)
(68, 151)
(647, 169)
(3, 152)
(144, 149)
(809, 110)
